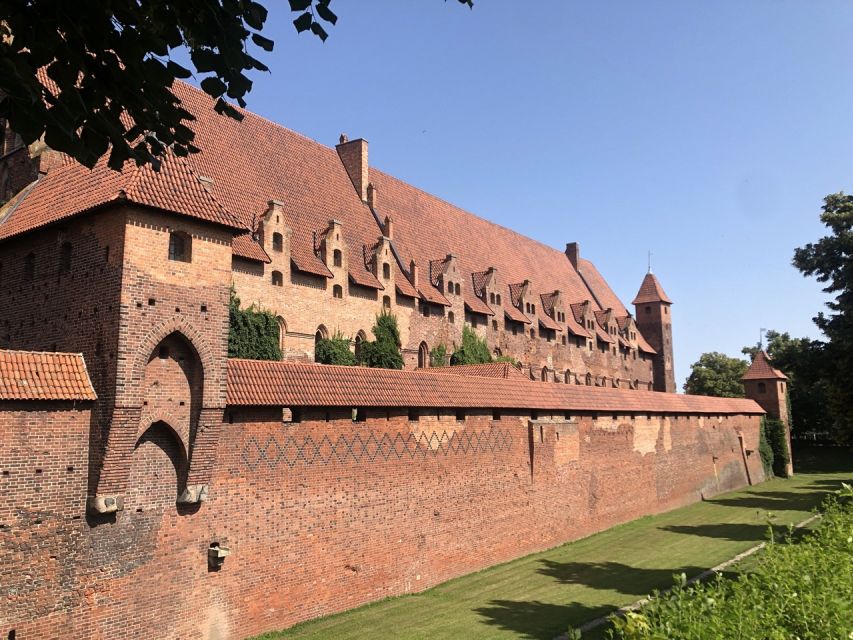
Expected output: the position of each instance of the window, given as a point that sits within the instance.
(588, 380)
(460, 415)
(533, 308)
(451, 318)
(282, 332)
(423, 355)
(386, 302)
(568, 378)
(498, 298)
(338, 291)
(425, 309)
(386, 270)
(533, 333)
(514, 329)
(277, 278)
(277, 242)
(648, 309)
(457, 288)
(359, 340)
(337, 258)
(544, 374)
(492, 297)
(180, 247)
(564, 340)
(494, 325)
(30, 266)
(65, 257)
(762, 388)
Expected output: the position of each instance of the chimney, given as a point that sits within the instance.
(389, 228)
(573, 251)
(372, 196)
(413, 274)
(353, 155)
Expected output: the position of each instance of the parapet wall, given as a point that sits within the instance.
(324, 509)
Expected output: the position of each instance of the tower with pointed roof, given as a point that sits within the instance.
(768, 386)
(654, 319)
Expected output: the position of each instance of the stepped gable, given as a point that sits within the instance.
(36, 375)
(71, 189)
(762, 369)
(276, 383)
(651, 291)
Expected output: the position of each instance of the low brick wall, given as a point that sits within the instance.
(330, 512)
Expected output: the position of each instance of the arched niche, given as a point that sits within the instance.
(158, 469)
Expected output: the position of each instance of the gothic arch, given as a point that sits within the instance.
(158, 470)
(423, 355)
(282, 333)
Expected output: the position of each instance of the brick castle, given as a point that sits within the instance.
(152, 487)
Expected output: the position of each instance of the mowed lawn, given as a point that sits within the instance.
(541, 595)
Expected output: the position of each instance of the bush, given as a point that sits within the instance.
(800, 589)
(384, 352)
(438, 356)
(765, 450)
(474, 349)
(778, 441)
(252, 333)
(334, 350)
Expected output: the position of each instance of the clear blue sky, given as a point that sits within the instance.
(706, 131)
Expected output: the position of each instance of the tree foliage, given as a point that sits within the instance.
(111, 69)
(716, 374)
(384, 351)
(334, 350)
(438, 356)
(830, 260)
(473, 350)
(777, 438)
(252, 333)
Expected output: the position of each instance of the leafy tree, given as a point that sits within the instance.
(438, 356)
(110, 69)
(334, 350)
(803, 361)
(252, 333)
(473, 350)
(830, 260)
(716, 374)
(384, 352)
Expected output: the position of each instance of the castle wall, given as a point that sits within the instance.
(330, 512)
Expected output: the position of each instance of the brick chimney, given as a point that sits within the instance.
(372, 196)
(389, 228)
(573, 251)
(353, 155)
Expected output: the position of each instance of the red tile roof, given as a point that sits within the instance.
(762, 369)
(643, 345)
(549, 323)
(651, 291)
(365, 278)
(488, 370)
(267, 383)
(404, 287)
(513, 313)
(245, 246)
(32, 375)
(604, 295)
(433, 295)
(475, 304)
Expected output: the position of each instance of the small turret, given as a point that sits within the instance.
(769, 388)
(652, 311)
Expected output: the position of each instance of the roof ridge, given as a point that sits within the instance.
(51, 353)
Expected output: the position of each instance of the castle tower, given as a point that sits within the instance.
(652, 307)
(769, 388)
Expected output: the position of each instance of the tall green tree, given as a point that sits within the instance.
(384, 351)
(830, 260)
(110, 68)
(716, 374)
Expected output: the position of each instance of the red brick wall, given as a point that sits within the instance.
(328, 513)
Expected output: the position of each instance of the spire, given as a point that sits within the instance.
(762, 369)
(651, 291)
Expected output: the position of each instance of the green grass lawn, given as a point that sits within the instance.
(541, 595)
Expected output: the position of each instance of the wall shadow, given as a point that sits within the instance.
(724, 531)
(536, 620)
(614, 576)
(775, 500)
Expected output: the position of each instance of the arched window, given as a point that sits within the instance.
(544, 374)
(386, 270)
(457, 288)
(30, 266)
(320, 334)
(498, 299)
(180, 247)
(282, 332)
(337, 257)
(277, 242)
(568, 377)
(589, 379)
(360, 337)
(533, 333)
(450, 317)
(762, 388)
(492, 297)
(338, 291)
(386, 302)
(277, 278)
(65, 257)
(423, 355)
(450, 288)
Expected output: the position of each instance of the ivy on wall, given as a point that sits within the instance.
(252, 333)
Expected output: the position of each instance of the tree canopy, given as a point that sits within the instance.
(384, 351)
(830, 260)
(473, 350)
(110, 69)
(716, 374)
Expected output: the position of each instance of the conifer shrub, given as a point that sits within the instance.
(252, 333)
(801, 589)
(473, 349)
(384, 351)
(438, 356)
(334, 350)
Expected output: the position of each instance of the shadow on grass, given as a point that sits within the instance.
(536, 620)
(775, 500)
(614, 576)
(723, 531)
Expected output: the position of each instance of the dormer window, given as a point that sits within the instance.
(337, 258)
(277, 242)
(180, 247)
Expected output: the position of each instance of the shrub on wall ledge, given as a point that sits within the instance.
(252, 333)
(474, 349)
(384, 352)
(334, 350)
(438, 356)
